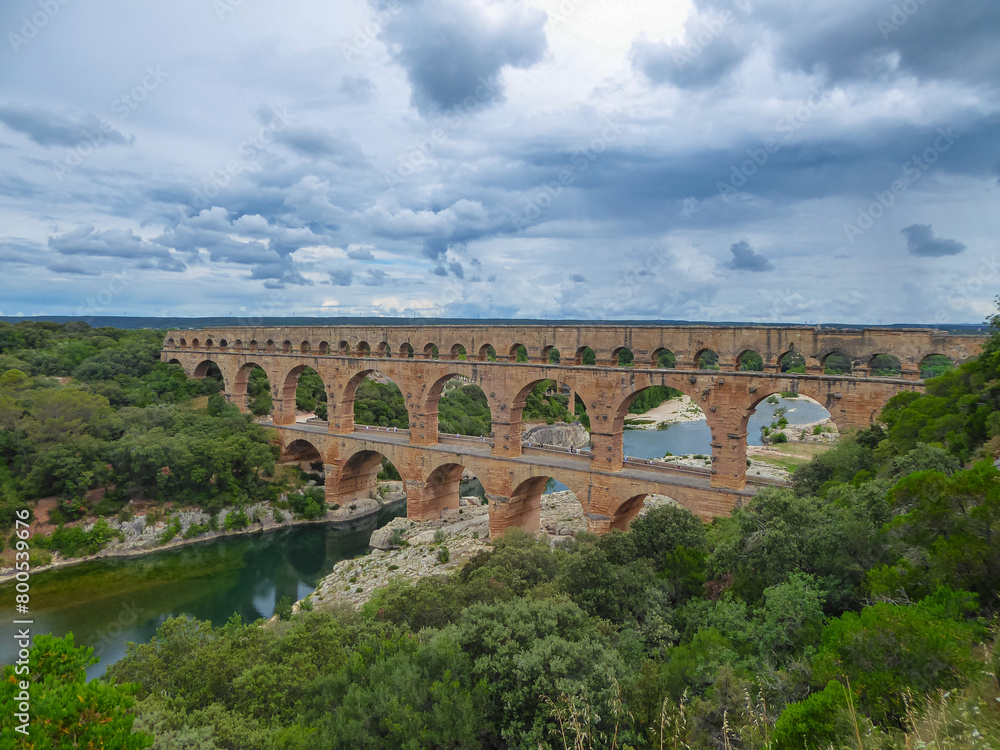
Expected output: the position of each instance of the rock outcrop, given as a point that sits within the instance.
(560, 435)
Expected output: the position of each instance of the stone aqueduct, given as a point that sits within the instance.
(610, 488)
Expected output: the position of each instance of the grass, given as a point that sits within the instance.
(793, 455)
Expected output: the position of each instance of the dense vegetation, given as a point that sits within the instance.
(84, 409)
(856, 608)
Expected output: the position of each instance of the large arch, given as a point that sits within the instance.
(524, 506)
(358, 476)
(378, 406)
(300, 451)
(885, 365)
(575, 406)
(464, 401)
(934, 365)
(442, 489)
(663, 358)
(252, 393)
(304, 389)
(207, 368)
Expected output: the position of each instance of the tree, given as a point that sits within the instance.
(66, 710)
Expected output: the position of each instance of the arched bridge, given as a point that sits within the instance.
(507, 362)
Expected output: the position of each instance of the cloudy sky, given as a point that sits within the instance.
(768, 160)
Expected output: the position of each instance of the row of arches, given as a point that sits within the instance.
(829, 362)
(441, 487)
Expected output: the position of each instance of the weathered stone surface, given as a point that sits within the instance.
(559, 435)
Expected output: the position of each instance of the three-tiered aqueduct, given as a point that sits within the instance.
(610, 489)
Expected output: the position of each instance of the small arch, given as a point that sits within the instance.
(623, 357)
(664, 359)
(300, 452)
(585, 356)
(363, 350)
(406, 351)
(208, 368)
(626, 512)
(431, 351)
(286, 347)
(384, 350)
(305, 347)
(174, 362)
(750, 360)
(209, 343)
(360, 474)
(442, 490)
(836, 362)
(170, 342)
(934, 365)
(458, 352)
(550, 355)
(238, 345)
(792, 361)
(184, 343)
(306, 387)
(252, 390)
(518, 353)
(344, 348)
(707, 359)
(194, 343)
(223, 344)
(269, 347)
(254, 346)
(885, 366)
(323, 348)
(487, 353)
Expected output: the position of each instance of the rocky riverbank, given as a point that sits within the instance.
(141, 535)
(409, 550)
(559, 435)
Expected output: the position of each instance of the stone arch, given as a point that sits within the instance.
(305, 347)
(357, 476)
(623, 356)
(342, 413)
(290, 393)
(473, 390)
(269, 347)
(286, 347)
(431, 351)
(174, 361)
(706, 359)
(238, 345)
(183, 343)
(623, 400)
(835, 361)
(487, 353)
(254, 346)
(626, 512)
(241, 389)
(585, 356)
(749, 360)
(209, 343)
(515, 408)
(204, 369)
(458, 352)
(223, 344)
(663, 358)
(442, 489)
(195, 343)
(363, 349)
(300, 451)
(523, 508)
(324, 348)
(170, 342)
(884, 365)
(551, 355)
(518, 353)
(933, 365)
(792, 361)
(406, 350)
(344, 348)
(384, 350)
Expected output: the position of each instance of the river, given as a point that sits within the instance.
(107, 603)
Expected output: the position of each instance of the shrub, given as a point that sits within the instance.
(443, 555)
(780, 438)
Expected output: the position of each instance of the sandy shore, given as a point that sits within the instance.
(674, 410)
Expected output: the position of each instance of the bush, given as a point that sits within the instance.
(780, 437)
(236, 520)
(443, 555)
(821, 720)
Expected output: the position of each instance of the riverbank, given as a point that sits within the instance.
(671, 411)
(138, 537)
(409, 550)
